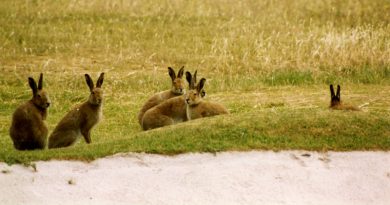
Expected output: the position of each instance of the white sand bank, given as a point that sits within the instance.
(226, 178)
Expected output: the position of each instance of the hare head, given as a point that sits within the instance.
(192, 82)
(40, 97)
(335, 99)
(177, 81)
(96, 96)
(194, 96)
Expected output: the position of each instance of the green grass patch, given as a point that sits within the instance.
(269, 62)
(268, 129)
(289, 78)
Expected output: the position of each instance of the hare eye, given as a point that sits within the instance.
(39, 96)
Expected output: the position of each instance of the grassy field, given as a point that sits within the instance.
(270, 62)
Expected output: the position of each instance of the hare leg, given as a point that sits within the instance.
(63, 139)
(87, 135)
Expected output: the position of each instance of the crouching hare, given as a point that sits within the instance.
(81, 119)
(197, 108)
(176, 90)
(335, 102)
(28, 129)
(169, 112)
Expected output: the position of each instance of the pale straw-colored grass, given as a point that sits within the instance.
(256, 55)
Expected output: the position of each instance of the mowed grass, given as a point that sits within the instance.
(270, 62)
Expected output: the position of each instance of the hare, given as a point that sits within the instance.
(192, 82)
(28, 129)
(197, 108)
(176, 90)
(169, 112)
(81, 119)
(335, 102)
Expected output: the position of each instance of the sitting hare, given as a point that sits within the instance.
(335, 101)
(176, 90)
(28, 129)
(196, 107)
(169, 112)
(81, 119)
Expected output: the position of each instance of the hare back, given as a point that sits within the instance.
(169, 112)
(22, 143)
(206, 109)
(174, 107)
(28, 130)
(63, 138)
(80, 117)
(68, 131)
(149, 122)
(156, 99)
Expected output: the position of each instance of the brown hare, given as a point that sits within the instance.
(335, 102)
(81, 119)
(28, 129)
(177, 89)
(192, 82)
(196, 107)
(169, 112)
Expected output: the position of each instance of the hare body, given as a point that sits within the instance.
(169, 112)
(205, 109)
(28, 129)
(156, 99)
(76, 123)
(176, 90)
(335, 101)
(81, 119)
(197, 108)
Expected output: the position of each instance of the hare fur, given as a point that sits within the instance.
(335, 101)
(177, 89)
(196, 107)
(81, 119)
(169, 112)
(28, 129)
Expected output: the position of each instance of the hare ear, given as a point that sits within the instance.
(89, 81)
(189, 80)
(181, 72)
(40, 82)
(338, 91)
(200, 85)
(99, 82)
(196, 71)
(171, 73)
(331, 91)
(33, 85)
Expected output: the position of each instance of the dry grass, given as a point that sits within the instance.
(256, 55)
(328, 40)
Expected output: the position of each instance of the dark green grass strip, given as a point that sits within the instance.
(306, 129)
